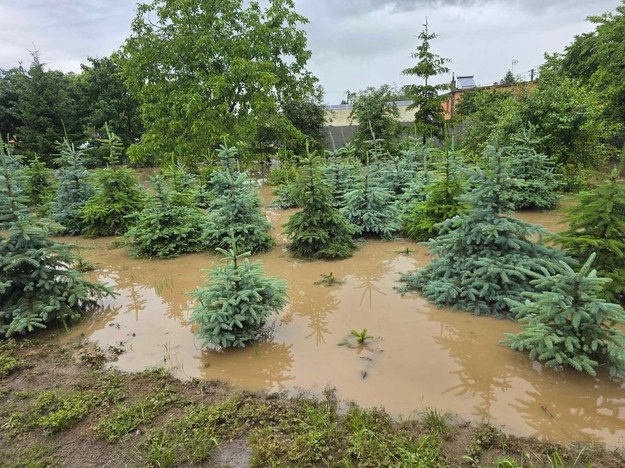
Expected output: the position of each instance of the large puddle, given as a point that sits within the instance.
(421, 356)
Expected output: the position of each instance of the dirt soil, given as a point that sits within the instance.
(62, 406)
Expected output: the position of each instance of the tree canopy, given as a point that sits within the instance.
(205, 70)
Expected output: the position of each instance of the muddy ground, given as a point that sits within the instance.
(61, 406)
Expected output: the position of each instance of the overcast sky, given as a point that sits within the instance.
(355, 43)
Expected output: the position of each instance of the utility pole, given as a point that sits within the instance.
(532, 75)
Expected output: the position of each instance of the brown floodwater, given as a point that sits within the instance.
(420, 357)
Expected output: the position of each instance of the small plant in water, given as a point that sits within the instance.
(328, 280)
(361, 338)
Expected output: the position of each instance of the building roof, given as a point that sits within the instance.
(465, 82)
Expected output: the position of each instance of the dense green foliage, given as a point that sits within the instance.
(73, 190)
(38, 286)
(38, 187)
(165, 228)
(376, 113)
(370, 207)
(567, 324)
(477, 255)
(39, 107)
(204, 70)
(432, 204)
(537, 184)
(427, 98)
(235, 210)
(339, 174)
(319, 230)
(117, 198)
(597, 224)
(597, 59)
(233, 306)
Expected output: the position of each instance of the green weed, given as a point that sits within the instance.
(126, 418)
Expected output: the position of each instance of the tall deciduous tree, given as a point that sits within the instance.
(203, 70)
(426, 99)
(376, 114)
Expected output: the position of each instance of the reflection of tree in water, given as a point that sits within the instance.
(268, 364)
(138, 294)
(316, 308)
(368, 282)
(600, 408)
(466, 350)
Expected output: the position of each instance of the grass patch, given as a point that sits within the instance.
(36, 455)
(8, 364)
(314, 434)
(126, 418)
(435, 422)
(483, 439)
(57, 412)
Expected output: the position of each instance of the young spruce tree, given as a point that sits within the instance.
(233, 306)
(235, 210)
(537, 182)
(369, 206)
(38, 285)
(568, 324)
(166, 228)
(339, 175)
(38, 186)
(440, 201)
(319, 230)
(597, 224)
(117, 197)
(73, 190)
(477, 255)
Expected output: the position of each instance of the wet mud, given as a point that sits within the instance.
(420, 356)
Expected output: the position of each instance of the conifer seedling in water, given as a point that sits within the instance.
(566, 323)
(478, 255)
(165, 228)
(236, 301)
(38, 285)
(74, 188)
(319, 230)
(235, 210)
(597, 224)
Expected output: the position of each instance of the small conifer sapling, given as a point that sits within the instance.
(319, 230)
(566, 323)
(234, 305)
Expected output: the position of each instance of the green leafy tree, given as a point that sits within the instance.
(597, 59)
(477, 255)
(319, 230)
(74, 188)
(566, 323)
(537, 181)
(234, 305)
(107, 99)
(480, 110)
(235, 210)
(377, 114)
(426, 98)
(38, 285)
(165, 229)
(308, 116)
(205, 70)
(568, 117)
(597, 225)
(434, 203)
(371, 207)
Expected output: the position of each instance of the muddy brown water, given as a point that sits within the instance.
(420, 357)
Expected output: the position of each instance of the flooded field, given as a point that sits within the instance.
(421, 356)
